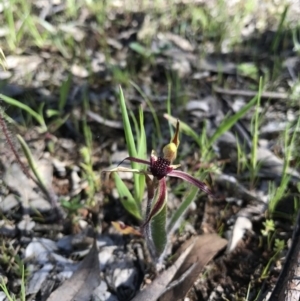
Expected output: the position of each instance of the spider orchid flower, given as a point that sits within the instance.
(160, 168)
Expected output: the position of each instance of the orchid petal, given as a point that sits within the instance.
(150, 186)
(186, 177)
(150, 194)
(160, 200)
(175, 138)
(134, 159)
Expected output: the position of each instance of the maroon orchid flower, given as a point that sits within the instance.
(160, 168)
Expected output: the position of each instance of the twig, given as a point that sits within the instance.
(50, 194)
(248, 93)
(12, 147)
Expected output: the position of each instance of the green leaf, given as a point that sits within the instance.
(183, 127)
(51, 113)
(32, 164)
(38, 117)
(158, 231)
(182, 208)
(140, 49)
(127, 127)
(64, 91)
(130, 143)
(57, 123)
(227, 123)
(126, 198)
(142, 141)
(142, 153)
(152, 109)
(255, 133)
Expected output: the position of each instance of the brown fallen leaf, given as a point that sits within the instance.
(205, 248)
(125, 229)
(194, 255)
(82, 283)
(157, 287)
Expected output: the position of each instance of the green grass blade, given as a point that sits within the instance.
(277, 193)
(127, 127)
(64, 91)
(4, 288)
(126, 198)
(20, 105)
(141, 148)
(32, 164)
(9, 18)
(169, 106)
(142, 141)
(279, 30)
(183, 127)
(23, 286)
(57, 123)
(255, 133)
(289, 143)
(137, 129)
(152, 109)
(142, 152)
(227, 123)
(182, 208)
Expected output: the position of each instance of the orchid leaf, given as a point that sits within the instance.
(129, 142)
(127, 127)
(152, 109)
(154, 228)
(126, 198)
(158, 230)
(142, 151)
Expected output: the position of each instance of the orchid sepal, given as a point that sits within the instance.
(160, 199)
(136, 160)
(192, 180)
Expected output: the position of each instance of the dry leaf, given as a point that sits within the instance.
(195, 254)
(157, 287)
(205, 248)
(241, 225)
(109, 123)
(82, 283)
(125, 229)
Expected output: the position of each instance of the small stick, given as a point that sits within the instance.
(248, 93)
(12, 147)
(50, 194)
